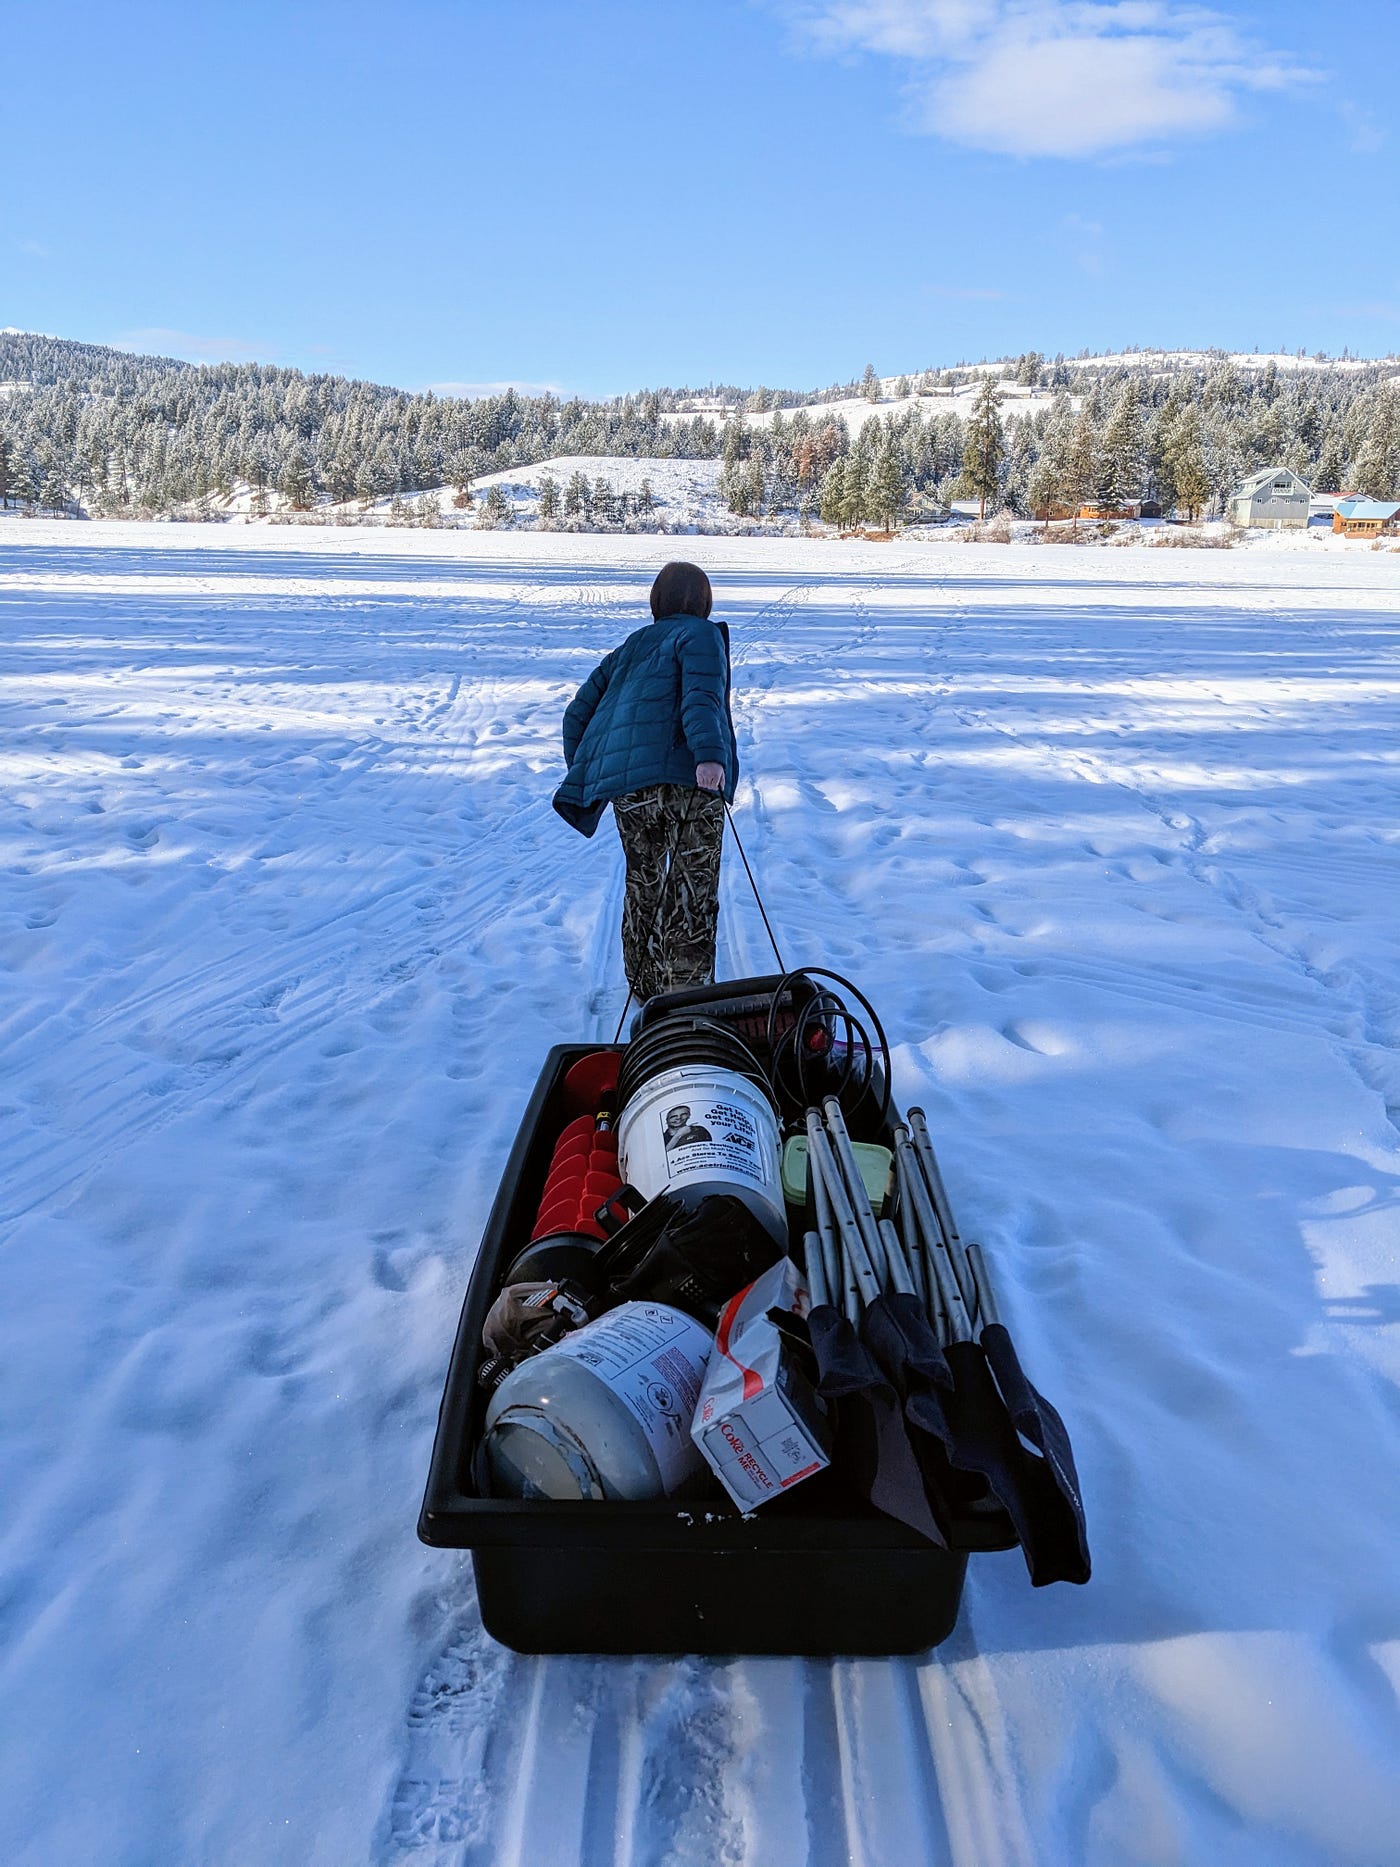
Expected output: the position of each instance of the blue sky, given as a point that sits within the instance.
(612, 193)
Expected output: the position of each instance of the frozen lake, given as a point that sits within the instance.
(1112, 840)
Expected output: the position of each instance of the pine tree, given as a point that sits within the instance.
(1331, 464)
(340, 478)
(1048, 476)
(53, 491)
(755, 489)
(1223, 456)
(831, 508)
(888, 488)
(857, 487)
(1119, 478)
(1185, 461)
(1022, 450)
(576, 495)
(870, 384)
(459, 471)
(6, 474)
(646, 499)
(1043, 486)
(1081, 462)
(496, 510)
(1378, 461)
(549, 499)
(984, 446)
(296, 483)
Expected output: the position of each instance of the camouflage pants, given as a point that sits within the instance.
(672, 837)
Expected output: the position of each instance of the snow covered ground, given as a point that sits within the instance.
(286, 923)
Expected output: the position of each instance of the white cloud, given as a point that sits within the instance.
(1068, 78)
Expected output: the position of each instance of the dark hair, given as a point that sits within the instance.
(681, 590)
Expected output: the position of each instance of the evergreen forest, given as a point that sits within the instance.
(86, 429)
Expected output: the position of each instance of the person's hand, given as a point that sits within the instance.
(710, 777)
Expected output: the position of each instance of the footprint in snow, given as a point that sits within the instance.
(457, 1748)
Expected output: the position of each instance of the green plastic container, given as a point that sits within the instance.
(876, 1167)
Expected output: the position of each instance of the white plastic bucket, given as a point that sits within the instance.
(700, 1128)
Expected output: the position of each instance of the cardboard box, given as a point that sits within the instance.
(759, 1423)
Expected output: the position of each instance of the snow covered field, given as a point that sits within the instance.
(1112, 838)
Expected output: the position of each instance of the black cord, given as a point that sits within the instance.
(866, 1061)
(782, 964)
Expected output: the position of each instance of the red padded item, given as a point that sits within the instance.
(591, 1083)
(582, 1174)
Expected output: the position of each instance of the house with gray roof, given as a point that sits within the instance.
(1273, 497)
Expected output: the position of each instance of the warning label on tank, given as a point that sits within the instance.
(653, 1358)
(702, 1136)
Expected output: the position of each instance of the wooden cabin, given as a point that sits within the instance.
(1131, 509)
(1357, 517)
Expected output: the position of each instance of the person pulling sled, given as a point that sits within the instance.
(650, 732)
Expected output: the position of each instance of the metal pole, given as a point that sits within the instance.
(942, 1205)
(840, 1276)
(855, 1180)
(896, 1263)
(853, 1244)
(949, 1289)
(989, 1310)
(816, 1271)
(914, 1245)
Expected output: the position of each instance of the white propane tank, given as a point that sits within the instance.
(703, 1129)
(605, 1413)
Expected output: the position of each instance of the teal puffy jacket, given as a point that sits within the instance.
(649, 713)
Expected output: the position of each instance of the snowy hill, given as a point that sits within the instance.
(1018, 398)
(683, 492)
(161, 438)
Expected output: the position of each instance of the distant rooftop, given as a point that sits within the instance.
(1256, 480)
(1358, 508)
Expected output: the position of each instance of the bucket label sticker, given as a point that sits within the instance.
(703, 1136)
(653, 1358)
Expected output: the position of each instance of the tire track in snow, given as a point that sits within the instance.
(512, 1760)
